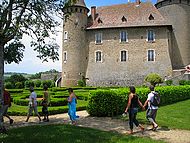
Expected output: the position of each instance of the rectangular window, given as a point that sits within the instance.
(65, 36)
(98, 38)
(123, 36)
(150, 36)
(123, 56)
(151, 55)
(65, 56)
(98, 56)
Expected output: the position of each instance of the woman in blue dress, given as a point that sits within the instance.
(72, 101)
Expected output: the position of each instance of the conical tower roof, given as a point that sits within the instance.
(80, 3)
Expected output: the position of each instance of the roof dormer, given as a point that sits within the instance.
(124, 19)
(151, 17)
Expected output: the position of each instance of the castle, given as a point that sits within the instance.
(119, 45)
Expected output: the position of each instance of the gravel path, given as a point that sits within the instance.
(106, 124)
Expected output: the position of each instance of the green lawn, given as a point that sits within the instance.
(172, 116)
(67, 134)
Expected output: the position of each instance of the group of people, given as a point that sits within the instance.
(32, 106)
(132, 109)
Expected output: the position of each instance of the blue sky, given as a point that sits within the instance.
(31, 64)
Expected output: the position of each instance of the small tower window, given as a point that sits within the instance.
(151, 17)
(65, 36)
(65, 56)
(80, 10)
(76, 10)
(124, 19)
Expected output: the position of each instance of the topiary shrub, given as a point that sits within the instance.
(105, 103)
(153, 79)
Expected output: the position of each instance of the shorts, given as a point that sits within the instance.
(31, 109)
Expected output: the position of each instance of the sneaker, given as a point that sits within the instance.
(11, 121)
(155, 128)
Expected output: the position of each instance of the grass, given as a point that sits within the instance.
(176, 116)
(171, 116)
(67, 134)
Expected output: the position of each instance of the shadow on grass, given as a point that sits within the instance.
(66, 134)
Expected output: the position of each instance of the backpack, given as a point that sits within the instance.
(156, 99)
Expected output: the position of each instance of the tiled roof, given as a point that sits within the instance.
(136, 15)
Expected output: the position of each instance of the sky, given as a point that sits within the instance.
(31, 64)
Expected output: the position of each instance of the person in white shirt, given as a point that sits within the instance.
(32, 104)
(152, 110)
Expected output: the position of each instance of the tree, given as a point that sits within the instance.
(153, 79)
(35, 18)
(15, 78)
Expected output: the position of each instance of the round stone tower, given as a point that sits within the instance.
(177, 12)
(74, 50)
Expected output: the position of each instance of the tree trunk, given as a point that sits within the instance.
(1, 71)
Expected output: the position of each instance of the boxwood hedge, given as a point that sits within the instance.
(113, 102)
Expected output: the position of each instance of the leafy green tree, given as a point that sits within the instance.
(29, 83)
(35, 76)
(38, 83)
(153, 79)
(35, 18)
(16, 78)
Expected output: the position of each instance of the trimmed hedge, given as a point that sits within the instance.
(113, 102)
(106, 103)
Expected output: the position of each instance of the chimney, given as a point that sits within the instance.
(138, 2)
(93, 12)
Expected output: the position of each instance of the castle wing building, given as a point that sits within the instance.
(116, 45)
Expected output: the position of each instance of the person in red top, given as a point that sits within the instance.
(7, 104)
(3, 110)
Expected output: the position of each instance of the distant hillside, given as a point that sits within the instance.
(8, 74)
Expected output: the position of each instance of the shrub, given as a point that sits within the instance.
(48, 83)
(184, 82)
(153, 79)
(38, 83)
(81, 83)
(106, 103)
(29, 83)
(169, 82)
(19, 85)
(9, 85)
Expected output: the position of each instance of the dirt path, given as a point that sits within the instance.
(106, 124)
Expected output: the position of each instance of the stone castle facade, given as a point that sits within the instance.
(119, 45)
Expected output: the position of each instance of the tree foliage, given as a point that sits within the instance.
(153, 79)
(38, 19)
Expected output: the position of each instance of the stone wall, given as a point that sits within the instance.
(112, 72)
